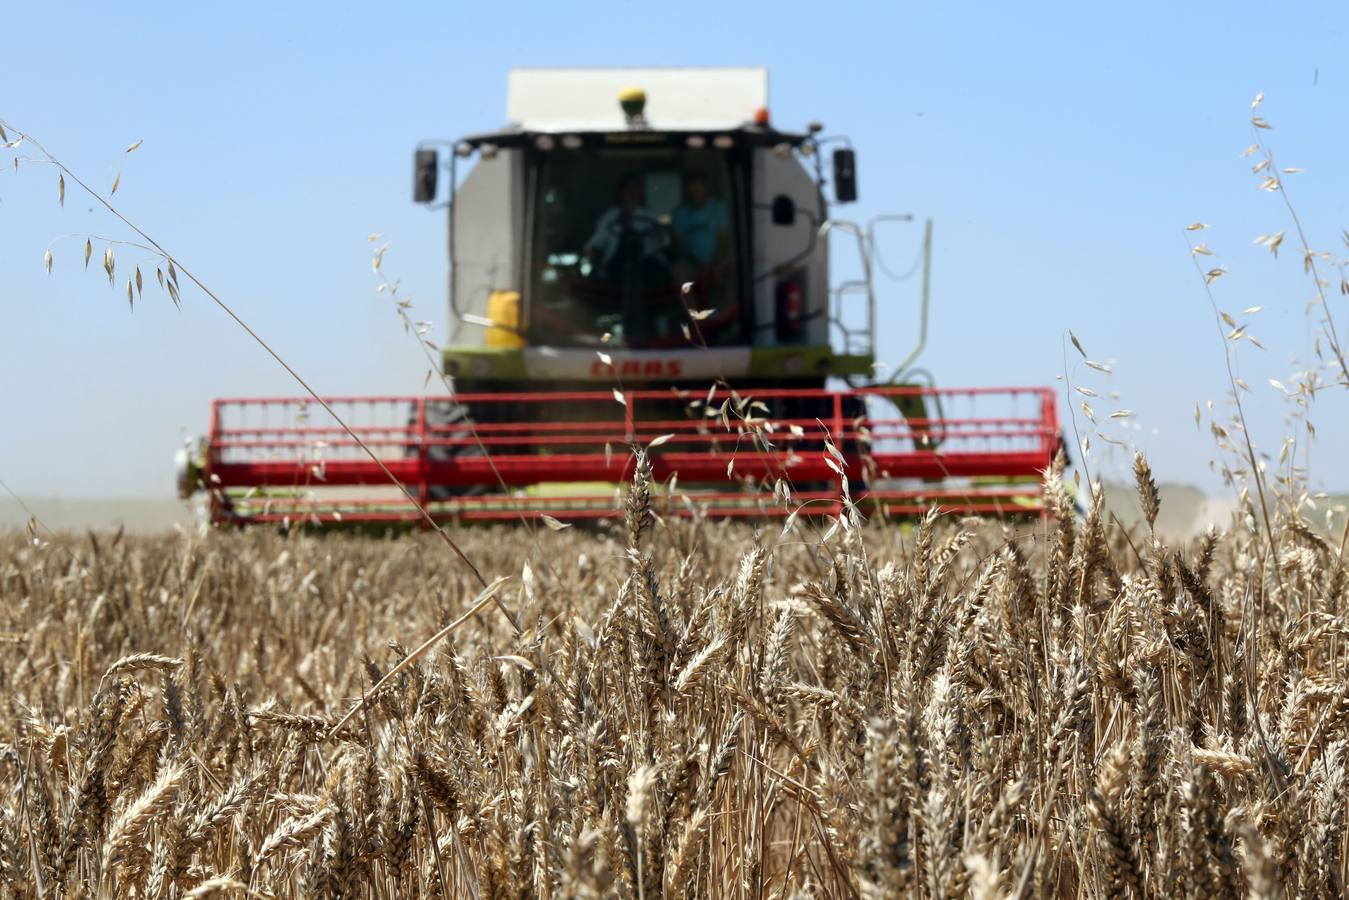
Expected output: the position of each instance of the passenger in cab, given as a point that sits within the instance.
(701, 227)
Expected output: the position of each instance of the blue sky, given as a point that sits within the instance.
(1060, 149)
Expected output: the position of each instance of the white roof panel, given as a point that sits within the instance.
(676, 99)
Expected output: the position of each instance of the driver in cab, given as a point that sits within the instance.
(626, 232)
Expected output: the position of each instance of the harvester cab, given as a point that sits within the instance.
(656, 216)
(641, 257)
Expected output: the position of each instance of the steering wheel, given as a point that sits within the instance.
(619, 228)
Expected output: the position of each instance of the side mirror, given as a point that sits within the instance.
(425, 169)
(784, 210)
(845, 175)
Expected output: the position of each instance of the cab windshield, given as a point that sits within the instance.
(636, 243)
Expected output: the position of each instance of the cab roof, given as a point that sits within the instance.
(677, 99)
(748, 135)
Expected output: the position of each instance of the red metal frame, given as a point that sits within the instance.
(282, 458)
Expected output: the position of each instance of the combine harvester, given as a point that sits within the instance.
(641, 258)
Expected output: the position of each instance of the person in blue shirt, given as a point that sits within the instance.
(701, 229)
(701, 224)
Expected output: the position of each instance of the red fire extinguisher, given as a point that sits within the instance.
(791, 310)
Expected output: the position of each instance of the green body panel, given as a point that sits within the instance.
(491, 363)
(777, 362)
(785, 362)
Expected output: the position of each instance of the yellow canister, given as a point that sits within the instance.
(503, 308)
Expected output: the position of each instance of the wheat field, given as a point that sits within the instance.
(690, 709)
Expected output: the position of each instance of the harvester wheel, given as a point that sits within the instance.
(448, 419)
